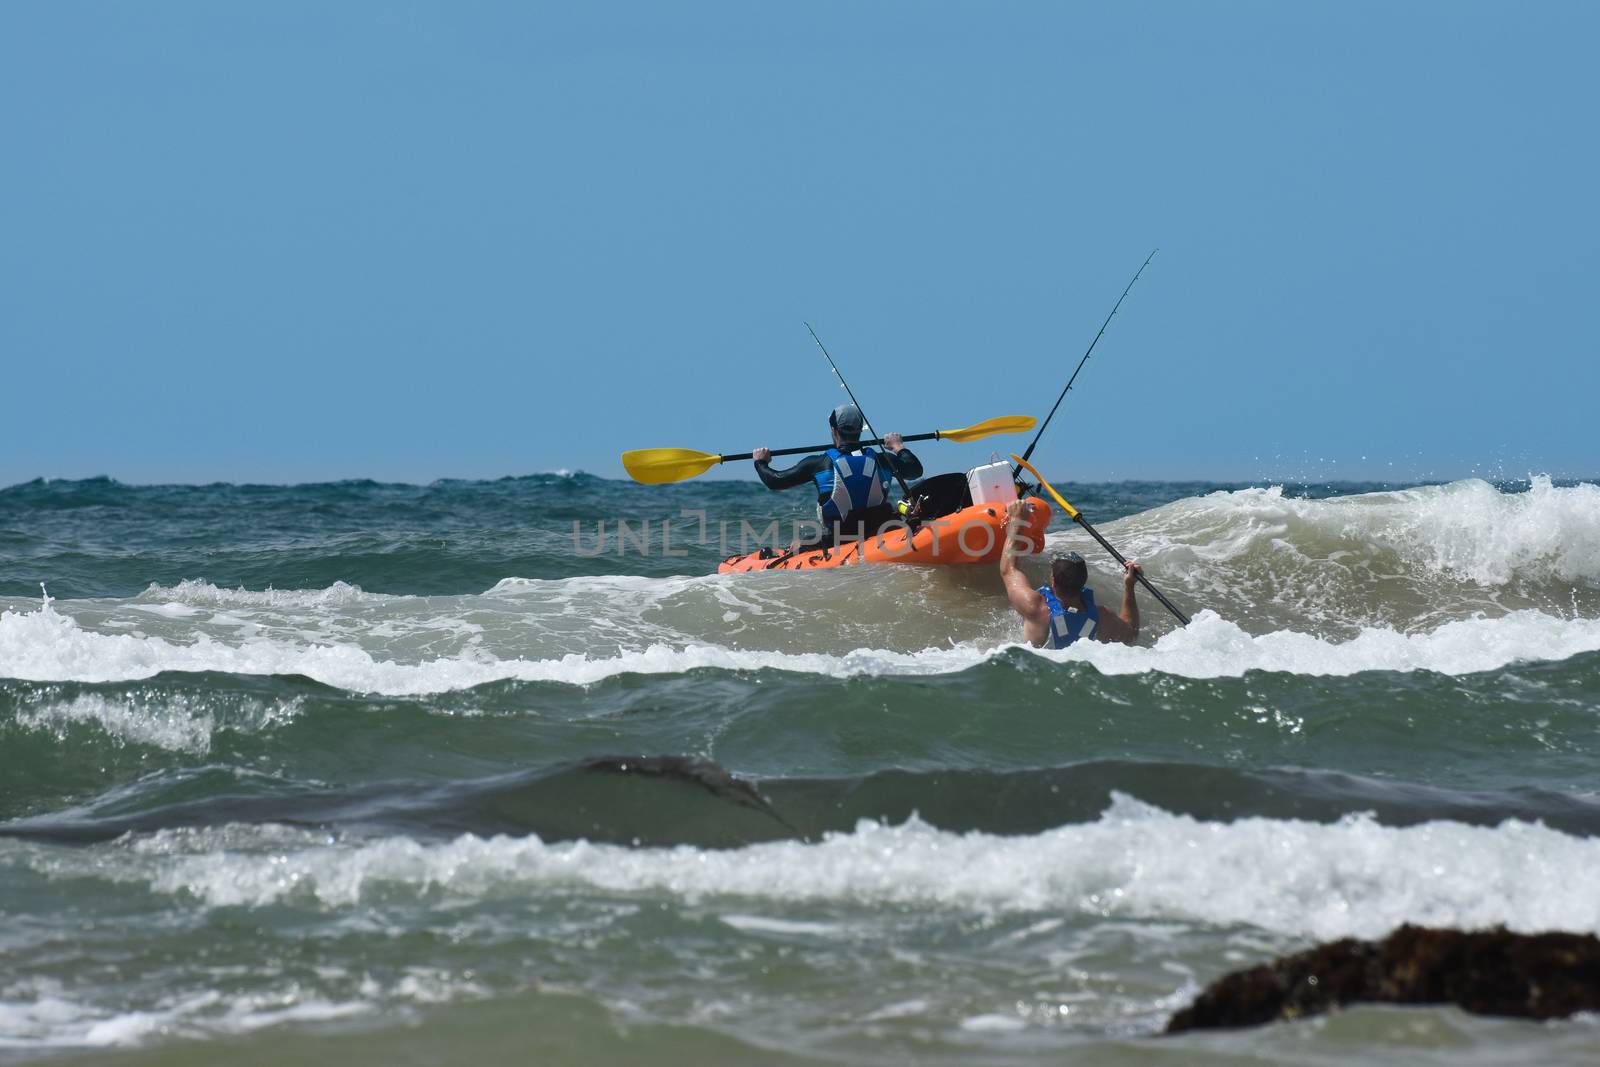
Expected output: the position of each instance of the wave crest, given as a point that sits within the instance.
(1351, 878)
(45, 645)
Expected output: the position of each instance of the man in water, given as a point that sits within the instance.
(1064, 611)
(852, 480)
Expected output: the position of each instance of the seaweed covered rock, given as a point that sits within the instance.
(1490, 972)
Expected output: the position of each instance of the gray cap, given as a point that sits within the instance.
(846, 418)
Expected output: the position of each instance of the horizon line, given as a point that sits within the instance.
(1265, 481)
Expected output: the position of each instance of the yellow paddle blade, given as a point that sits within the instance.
(989, 427)
(657, 466)
(1072, 512)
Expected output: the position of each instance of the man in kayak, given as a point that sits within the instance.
(1064, 611)
(852, 480)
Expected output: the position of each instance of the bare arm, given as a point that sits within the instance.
(1025, 600)
(1123, 626)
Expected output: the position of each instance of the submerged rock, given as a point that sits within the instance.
(1490, 972)
(695, 770)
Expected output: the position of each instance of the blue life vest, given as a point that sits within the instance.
(1069, 624)
(853, 481)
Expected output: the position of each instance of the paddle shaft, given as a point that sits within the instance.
(1028, 453)
(934, 436)
(1081, 521)
(658, 466)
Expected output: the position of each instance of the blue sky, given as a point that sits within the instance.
(298, 241)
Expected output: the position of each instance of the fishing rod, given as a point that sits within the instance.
(904, 488)
(1016, 471)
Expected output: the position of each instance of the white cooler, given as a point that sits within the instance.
(992, 484)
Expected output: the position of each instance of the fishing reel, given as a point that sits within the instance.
(910, 512)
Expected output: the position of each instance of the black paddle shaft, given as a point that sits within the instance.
(934, 436)
(1137, 574)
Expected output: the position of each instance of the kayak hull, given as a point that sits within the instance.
(972, 535)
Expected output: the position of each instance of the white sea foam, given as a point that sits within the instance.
(1472, 529)
(39, 1013)
(1212, 647)
(178, 722)
(174, 725)
(1468, 529)
(32, 1013)
(45, 645)
(766, 924)
(1351, 878)
(198, 591)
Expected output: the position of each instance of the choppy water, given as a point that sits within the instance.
(285, 771)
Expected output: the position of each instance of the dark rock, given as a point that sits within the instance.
(693, 769)
(1490, 972)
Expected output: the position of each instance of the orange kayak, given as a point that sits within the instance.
(971, 535)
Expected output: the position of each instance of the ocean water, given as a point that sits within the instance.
(455, 773)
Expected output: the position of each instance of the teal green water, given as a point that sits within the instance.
(412, 774)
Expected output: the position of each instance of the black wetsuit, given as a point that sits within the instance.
(861, 522)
